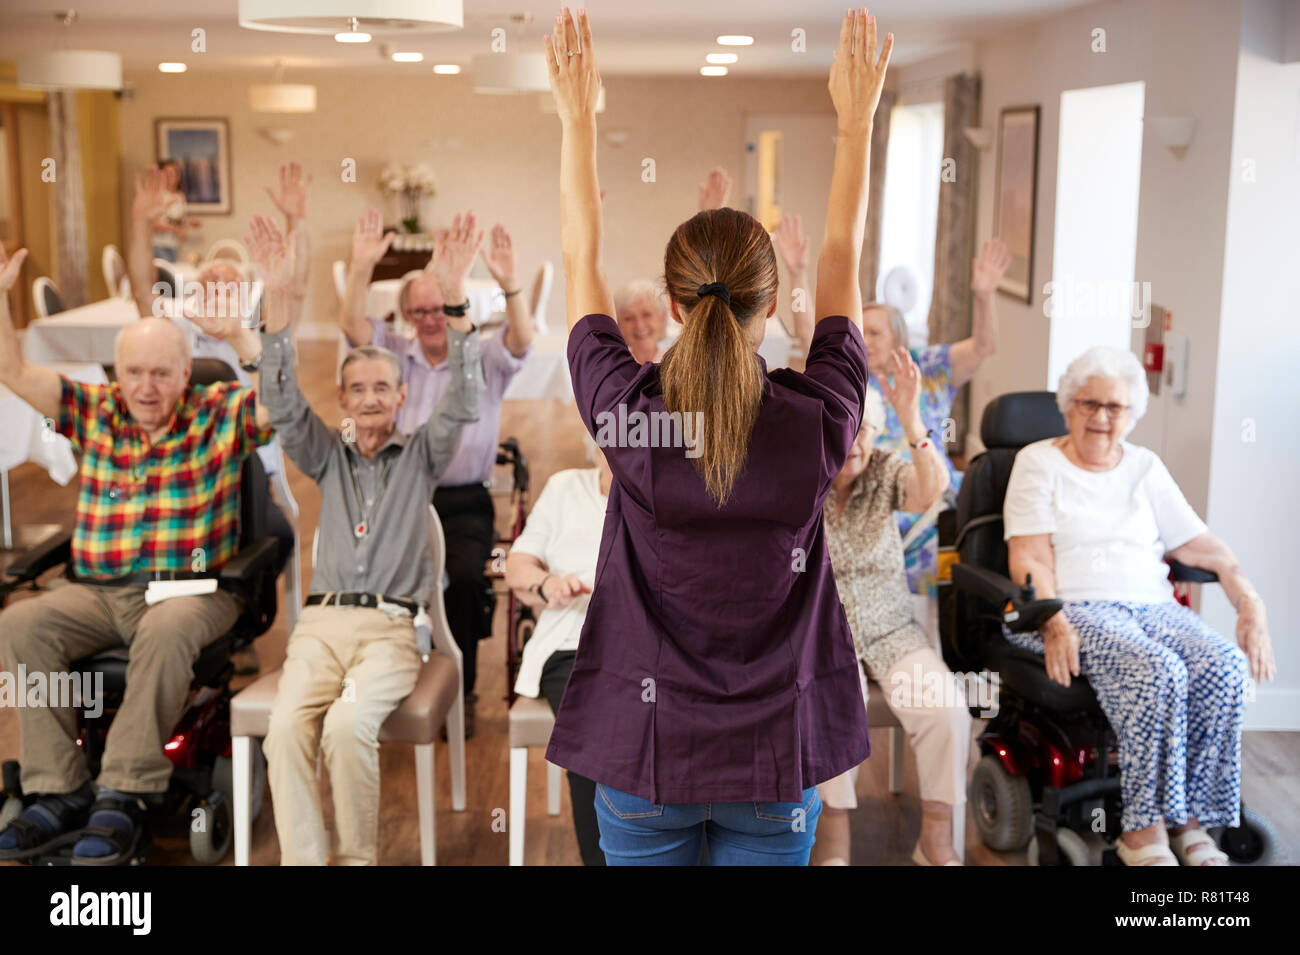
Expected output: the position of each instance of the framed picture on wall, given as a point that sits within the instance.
(202, 147)
(1017, 188)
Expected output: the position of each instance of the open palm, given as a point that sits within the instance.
(987, 270)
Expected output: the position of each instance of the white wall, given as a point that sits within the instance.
(1255, 463)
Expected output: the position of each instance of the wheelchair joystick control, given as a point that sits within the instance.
(1027, 593)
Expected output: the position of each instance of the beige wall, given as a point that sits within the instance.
(498, 155)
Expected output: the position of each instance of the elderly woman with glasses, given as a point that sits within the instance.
(1091, 518)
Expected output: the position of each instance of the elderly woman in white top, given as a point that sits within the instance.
(643, 319)
(1091, 518)
(552, 566)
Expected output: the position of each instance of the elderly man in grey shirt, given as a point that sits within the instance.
(353, 656)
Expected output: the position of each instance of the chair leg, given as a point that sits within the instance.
(456, 744)
(895, 759)
(518, 802)
(959, 831)
(241, 757)
(552, 789)
(424, 795)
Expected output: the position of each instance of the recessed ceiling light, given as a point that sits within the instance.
(446, 69)
(730, 40)
(408, 57)
(722, 58)
(171, 67)
(352, 35)
(713, 71)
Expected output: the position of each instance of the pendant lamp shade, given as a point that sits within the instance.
(70, 69)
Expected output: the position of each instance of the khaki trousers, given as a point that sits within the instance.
(934, 716)
(346, 670)
(47, 633)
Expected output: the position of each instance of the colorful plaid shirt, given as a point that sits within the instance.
(169, 506)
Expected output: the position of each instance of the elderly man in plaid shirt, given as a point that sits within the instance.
(159, 498)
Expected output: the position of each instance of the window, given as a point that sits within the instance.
(1092, 299)
(911, 206)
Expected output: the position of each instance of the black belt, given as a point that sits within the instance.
(355, 599)
(143, 578)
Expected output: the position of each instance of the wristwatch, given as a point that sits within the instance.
(252, 364)
(456, 311)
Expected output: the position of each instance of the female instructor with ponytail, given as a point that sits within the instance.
(716, 683)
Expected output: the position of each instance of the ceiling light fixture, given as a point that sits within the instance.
(279, 97)
(382, 18)
(446, 69)
(722, 58)
(713, 71)
(353, 34)
(172, 67)
(408, 57)
(735, 40)
(70, 69)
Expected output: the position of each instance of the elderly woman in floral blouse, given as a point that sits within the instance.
(944, 369)
(867, 555)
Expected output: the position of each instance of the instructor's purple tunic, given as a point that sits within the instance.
(716, 663)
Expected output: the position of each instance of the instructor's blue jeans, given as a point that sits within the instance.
(635, 831)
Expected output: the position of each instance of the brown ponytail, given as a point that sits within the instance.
(712, 368)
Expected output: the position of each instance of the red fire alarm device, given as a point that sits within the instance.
(1153, 357)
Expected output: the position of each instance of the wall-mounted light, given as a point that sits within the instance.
(1173, 132)
(981, 139)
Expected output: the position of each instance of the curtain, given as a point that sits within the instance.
(69, 200)
(869, 268)
(954, 240)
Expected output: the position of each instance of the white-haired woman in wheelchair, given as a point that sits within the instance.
(1091, 518)
(643, 319)
(867, 555)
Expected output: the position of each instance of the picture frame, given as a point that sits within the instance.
(202, 146)
(1016, 197)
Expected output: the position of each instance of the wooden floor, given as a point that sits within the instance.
(884, 826)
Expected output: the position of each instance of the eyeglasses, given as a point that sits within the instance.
(1112, 409)
(424, 312)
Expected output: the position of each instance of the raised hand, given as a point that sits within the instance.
(369, 243)
(857, 76)
(571, 65)
(272, 255)
(9, 269)
(791, 243)
(294, 192)
(715, 190)
(499, 257)
(987, 270)
(151, 196)
(904, 395)
(455, 255)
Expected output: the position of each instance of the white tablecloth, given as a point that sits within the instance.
(80, 334)
(24, 437)
(546, 370)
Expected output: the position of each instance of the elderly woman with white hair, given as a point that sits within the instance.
(643, 319)
(866, 553)
(1091, 518)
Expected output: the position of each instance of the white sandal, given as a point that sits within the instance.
(1195, 847)
(1157, 853)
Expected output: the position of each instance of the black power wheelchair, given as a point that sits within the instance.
(1048, 772)
(202, 786)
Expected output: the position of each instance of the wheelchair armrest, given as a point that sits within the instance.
(1019, 615)
(1192, 575)
(988, 585)
(51, 552)
(253, 562)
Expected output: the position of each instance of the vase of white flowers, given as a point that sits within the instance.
(409, 184)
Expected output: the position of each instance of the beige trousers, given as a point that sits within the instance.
(47, 633)
(347, 669)
(934, 717)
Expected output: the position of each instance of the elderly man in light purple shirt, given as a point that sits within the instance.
(462, 499)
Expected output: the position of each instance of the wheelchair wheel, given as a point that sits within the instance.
(1254, 842)
(1002, 805)
(212, 829)
(223, 779)
(1074, 850)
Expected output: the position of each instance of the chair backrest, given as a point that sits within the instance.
(46, 296)
(541, 295)
(114, 267)
(231, 249)
(340, 277)
(1010, 422)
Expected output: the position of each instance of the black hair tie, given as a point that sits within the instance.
(715, 288)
